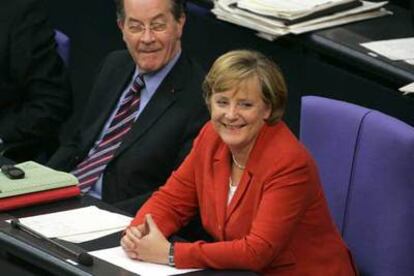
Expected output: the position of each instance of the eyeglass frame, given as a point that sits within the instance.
(154, 27)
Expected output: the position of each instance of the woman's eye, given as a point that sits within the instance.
(221, 103)
(246, 105)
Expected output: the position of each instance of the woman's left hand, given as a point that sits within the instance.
(151, 247)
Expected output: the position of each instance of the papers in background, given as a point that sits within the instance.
(407, 89)
(271, 27)
(410, 61)
(78, 225)
(292, 9)
(118, 257)
(394, 49)
(401, 49)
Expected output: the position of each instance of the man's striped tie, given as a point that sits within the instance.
(90, 169)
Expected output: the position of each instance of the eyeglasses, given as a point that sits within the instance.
(153, 27)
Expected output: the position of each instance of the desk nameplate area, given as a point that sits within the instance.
(49, 258)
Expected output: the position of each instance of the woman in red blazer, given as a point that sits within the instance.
(255, 186)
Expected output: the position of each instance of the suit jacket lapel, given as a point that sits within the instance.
(107, 99)
(159, 103)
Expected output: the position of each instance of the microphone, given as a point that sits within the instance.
(83, 258)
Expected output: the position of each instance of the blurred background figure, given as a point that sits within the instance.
(35, 94)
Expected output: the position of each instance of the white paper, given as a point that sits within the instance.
(409, 61)
(78, 238)
(341, 21)
(117, 256)
(288, 9)
(394, 49)
(87, 220)
(407, 89)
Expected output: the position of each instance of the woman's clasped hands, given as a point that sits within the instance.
(145, 242)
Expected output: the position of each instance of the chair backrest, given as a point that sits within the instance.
(330, 131)
(63, 46)
(366, 162)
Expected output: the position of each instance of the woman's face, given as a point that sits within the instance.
(238, 114)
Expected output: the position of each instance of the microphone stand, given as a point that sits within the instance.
(83, 258)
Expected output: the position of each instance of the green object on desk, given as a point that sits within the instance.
(37, 178)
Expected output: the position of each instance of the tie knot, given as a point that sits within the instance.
(138, 83)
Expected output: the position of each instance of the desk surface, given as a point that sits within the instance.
(29, 256)
(343, 44)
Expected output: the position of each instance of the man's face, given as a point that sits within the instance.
(151, 33)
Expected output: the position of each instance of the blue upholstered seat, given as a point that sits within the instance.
(366, 162)
(63, 46)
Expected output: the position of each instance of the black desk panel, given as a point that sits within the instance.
(4, 161)
(342, 44)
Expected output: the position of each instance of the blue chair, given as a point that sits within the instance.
(63, 46)
(330, 130)
(366, 163)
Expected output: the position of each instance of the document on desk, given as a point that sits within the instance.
(117, 256)
(291, 9)
(407, 89)
(78, 225)
(394, 49)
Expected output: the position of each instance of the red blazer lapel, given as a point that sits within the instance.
(252, 168)
(221, 174)
(240, 192)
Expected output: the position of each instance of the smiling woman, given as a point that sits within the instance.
(238, 115)
(244, 90)
(256, 187)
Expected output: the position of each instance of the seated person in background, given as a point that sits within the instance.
(35, 95)
(144, 111)
(256, 187)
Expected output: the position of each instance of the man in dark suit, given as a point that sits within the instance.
(170, 113)
(35, 96)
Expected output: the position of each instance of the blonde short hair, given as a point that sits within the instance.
(234, 67)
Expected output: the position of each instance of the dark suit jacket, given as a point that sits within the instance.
(35, 96)
(159, 139)
(277, 222)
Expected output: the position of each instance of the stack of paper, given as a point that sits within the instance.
(275, 18)
(78, 225)
(292, 9)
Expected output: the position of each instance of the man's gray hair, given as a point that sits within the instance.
(177, 9)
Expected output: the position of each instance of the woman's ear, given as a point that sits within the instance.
(268, 112)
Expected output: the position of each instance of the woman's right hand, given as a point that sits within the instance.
(132, 235)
